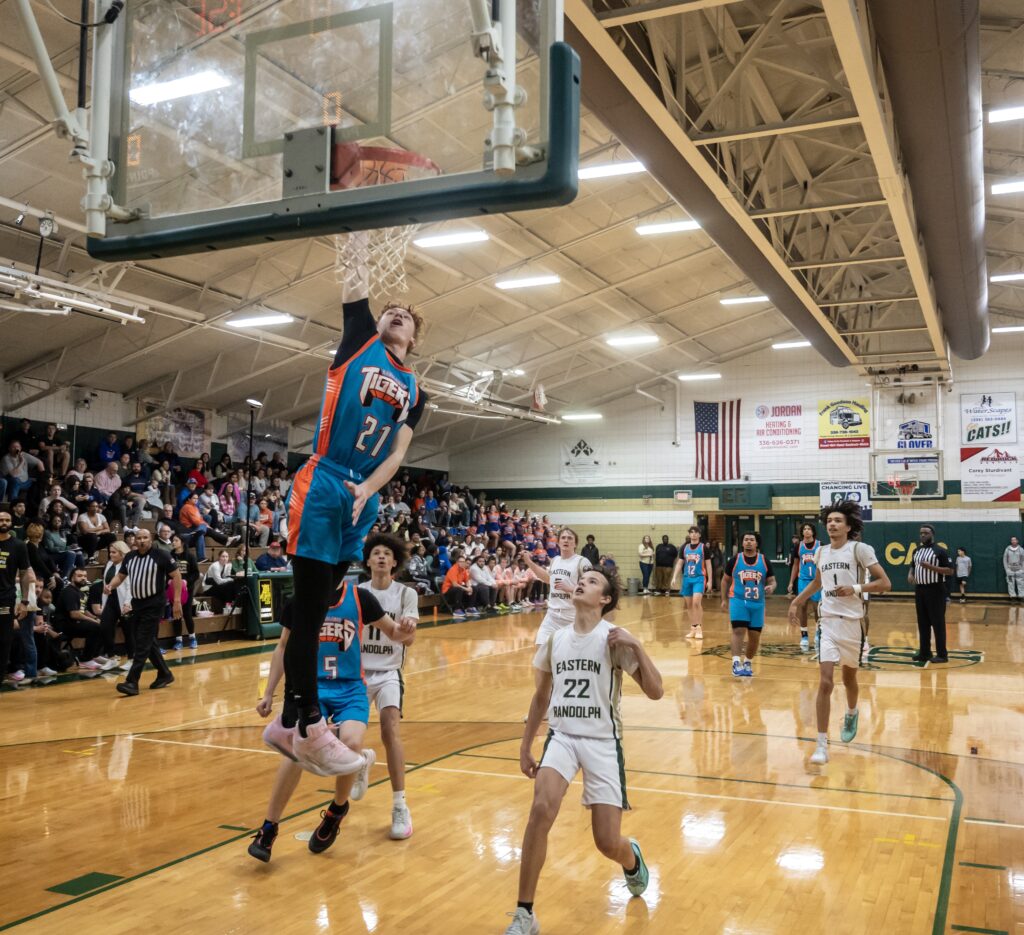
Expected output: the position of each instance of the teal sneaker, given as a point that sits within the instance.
(637, 882)
(849, 730)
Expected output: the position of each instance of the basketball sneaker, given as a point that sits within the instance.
(263, 841)
(279, 738)
(523, 923)
(47, 672)
(698, 633)
(748, 670)
(177, 643)
(192, 642)
(459, 614)
(737, 667)
(327, 830)
(401, 823)
(849, 730)
(636, 882)
(805, 644)
(322, 753)
(363, 776)
(820, 755)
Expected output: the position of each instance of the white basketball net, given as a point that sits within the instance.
(382, 254)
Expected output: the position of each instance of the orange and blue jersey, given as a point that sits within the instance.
(746, 591)
(694, 580)
(808, 559)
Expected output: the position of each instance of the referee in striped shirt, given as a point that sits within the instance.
(931, 566)
(148, 570)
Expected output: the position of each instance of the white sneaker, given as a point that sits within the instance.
(363, 776)
(322, 753)
(18, 676)
(820, 755)
(90, 664)
(47, 672)
(401, 823)
(523, 923)
(127, 667)
(110, 664)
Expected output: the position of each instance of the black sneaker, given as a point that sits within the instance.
(327, 830)
(940, 658)
(162, 681)
(127, 688)
(262, 842)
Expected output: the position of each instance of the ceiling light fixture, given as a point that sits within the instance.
(161, 91)
(744, 300)
(611, 169)
(254, 403)
(527, 282)
(686, 377)
(1002, 114)
(786, 345)
(1006, 329)
(260, 321)
(666, 227)
(34, 293)
(632, 340)
(1008, 188)
(1006, 277)
(452, 239)
(582, 416)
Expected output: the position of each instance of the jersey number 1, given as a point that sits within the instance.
(363, 442)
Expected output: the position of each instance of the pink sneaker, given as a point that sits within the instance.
(321, 752)
(279, 738)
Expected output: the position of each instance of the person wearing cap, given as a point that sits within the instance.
(191, 487)
(273, 559)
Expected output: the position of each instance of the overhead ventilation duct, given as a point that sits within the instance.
(607, 95)
(931, 58)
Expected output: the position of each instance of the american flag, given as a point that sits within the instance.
(717, 440)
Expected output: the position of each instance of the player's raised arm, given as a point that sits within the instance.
(539, 571)
(646, 674)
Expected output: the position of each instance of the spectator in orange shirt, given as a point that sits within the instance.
(190, 517)
(456, 589)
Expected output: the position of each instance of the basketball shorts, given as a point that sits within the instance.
(343, 700)
(802, 583)
(840, 639)
(749, 614)
(320, 513)
(548, 626)
(386, 689)
(600, 759)
(692, 586)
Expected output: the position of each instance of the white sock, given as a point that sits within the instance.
(735, 658)
(822, 739)
(850, 712)
(398, 798)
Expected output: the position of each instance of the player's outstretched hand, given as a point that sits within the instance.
(359, 497)
(794, 613)
(264, 706)
(619, 637)
(528, 764)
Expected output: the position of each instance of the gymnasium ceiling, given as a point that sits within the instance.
(747, 65)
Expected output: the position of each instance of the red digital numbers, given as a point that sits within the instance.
(215, 15)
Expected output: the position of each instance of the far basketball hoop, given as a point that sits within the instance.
(904, 483)
(899, 474)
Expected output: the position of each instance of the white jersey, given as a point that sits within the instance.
(586, 681)
(379, 651)
(561, 610)
(843, 567)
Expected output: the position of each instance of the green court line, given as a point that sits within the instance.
(971, 928)
(236, 828)
(967, 863)
(121, 881)
(83, 884)
(755, 782)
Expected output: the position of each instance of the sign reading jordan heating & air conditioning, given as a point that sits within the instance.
(988, 419)
(989, 475)
(844, 423)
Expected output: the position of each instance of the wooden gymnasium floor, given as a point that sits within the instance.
(129, 815)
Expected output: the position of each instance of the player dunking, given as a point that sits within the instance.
(747, 581)
(383, 659)
(804, 569)
(695, 563)
(841, 566)
(371, 405)
(579, 669)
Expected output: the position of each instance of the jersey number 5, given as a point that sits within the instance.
(366, 442)
(577, 688)
(331, 666)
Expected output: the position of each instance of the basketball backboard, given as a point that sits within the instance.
(226, 115)
(920, 469)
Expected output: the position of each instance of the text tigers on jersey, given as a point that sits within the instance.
(342, 632)
(379, 384)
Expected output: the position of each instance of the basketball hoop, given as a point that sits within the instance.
(381, 251)
(904, 484)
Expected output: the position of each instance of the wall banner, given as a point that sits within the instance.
(844, 423)
(580, 463)
(988, 418)
(779, 426)
(989, 475)
(836, 491)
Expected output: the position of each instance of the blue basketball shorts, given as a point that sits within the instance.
(692, 586)
(749, 614)
(343, 700)
(320, 513)
(802, 583)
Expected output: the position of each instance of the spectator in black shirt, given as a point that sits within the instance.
(54, 451)
(665, 556)
(13, 562)
(590, 552)
(28, 439)
(19, 519)
(189, 568)
(73, 618)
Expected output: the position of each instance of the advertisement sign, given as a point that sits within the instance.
(844, 423)
(988, 418)
(779, 426)
(836, 491)
(989, 475)
(580, 463)
(915, 433)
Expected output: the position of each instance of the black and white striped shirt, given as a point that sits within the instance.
(147, 574)
(932, 555)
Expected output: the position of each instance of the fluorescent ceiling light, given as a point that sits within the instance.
(786, 345)
(1006, 277)
(180, 87)
(582, 416)
(610, 169)
(258, 321)
(255, 403)
(1006, 329)
(632, 340)
(1002, 114)
(744, 300)
(667, 227)
(1008, 188)
(452, 239)
(515, 372)
(699, 376)
(528, 281)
